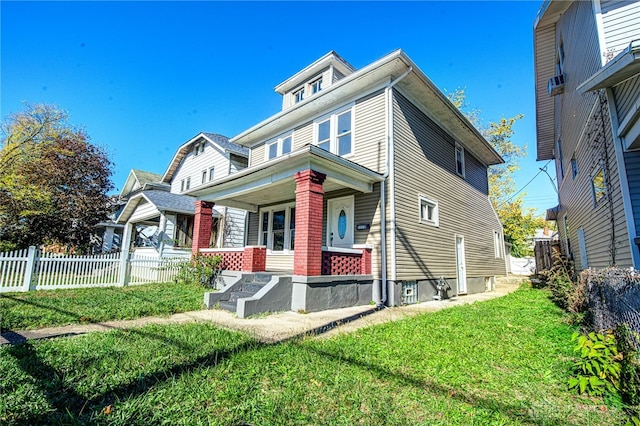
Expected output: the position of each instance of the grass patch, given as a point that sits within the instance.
(22, 311)
(504, 361)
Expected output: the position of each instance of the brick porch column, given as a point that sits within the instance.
(307, 256)
(202, 226)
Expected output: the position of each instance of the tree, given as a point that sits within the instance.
(53, 180)
(519, 223)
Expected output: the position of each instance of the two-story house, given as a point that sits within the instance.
(587, 70)
(368, 185)
(158, 216)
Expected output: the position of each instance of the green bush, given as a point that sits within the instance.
(598, 368)
(200, 269)
(630, 368)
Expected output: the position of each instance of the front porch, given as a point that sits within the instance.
(297, 231)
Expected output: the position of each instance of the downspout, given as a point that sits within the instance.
(388, 173)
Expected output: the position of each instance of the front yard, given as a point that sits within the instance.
(37, 309)
(504, 361)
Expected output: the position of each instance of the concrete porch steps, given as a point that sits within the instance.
(249, 287)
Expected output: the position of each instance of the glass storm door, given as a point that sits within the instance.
(340, 224)
(461, 266)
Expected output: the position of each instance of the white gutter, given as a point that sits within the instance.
(388, 173)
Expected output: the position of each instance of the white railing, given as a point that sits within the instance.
(25, 270)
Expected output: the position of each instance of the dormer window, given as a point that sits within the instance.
(316, 86)
(298, 95)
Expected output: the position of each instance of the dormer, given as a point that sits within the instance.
(313, 79)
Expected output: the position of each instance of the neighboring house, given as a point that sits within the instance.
(368, 185)
(587, 69)
(158, 216)
(110, 231)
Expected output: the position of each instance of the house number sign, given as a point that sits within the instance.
(363, 227)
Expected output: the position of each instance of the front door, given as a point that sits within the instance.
(461, 267)
(340, 224)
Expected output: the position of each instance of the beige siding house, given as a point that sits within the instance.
(158, 214)
(587, 66)
(368, 185)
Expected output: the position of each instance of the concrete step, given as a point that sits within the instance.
(252, 287)
(235, 295)
(230, 306)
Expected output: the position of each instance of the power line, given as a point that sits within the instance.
(542, 169)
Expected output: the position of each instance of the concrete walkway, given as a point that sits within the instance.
(278, 326)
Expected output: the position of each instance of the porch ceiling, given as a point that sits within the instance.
(274, 182)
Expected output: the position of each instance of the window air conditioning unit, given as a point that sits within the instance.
(556, 85)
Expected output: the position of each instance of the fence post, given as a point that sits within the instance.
(124, 268)
(29, 273)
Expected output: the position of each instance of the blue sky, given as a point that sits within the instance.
(144, 77)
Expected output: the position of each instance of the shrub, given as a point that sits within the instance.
(630, 368)
(200, 269)
(598, 368)
(560, 282)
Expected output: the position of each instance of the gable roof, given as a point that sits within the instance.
(380, 73)
(137, 179)
(221, 141)
(162, 201)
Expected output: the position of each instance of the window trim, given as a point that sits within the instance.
(558, 156)
(279, 142)
(574, 167)
(212, 171)
(460, 149)
(498, 245)
(332, 117)
(436, 211)
(287, 207)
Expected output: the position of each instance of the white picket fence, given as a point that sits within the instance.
(31, 269)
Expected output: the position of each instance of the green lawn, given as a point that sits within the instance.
(504, 361)
(37, 309)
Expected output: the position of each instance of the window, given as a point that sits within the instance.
(184, 231)
(188, 183)
(335, 133)
(558, 155)
(429, 213)
(316, 86)
(460, 160)
(298, 95)
(279, 147)
(198, 148)
(574, 168)
(277, 228)
(560, 59)
(211, 173)
(598, 187)
(204, 176)
(182, 185)
(498, 246)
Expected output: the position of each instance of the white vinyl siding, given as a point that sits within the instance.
(192, 166)
(621, 24)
